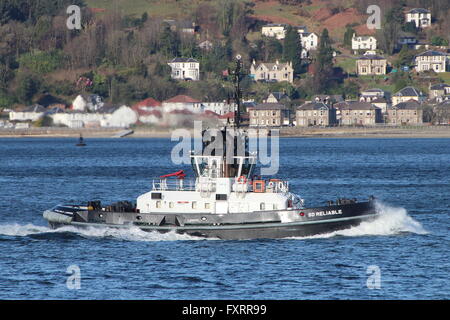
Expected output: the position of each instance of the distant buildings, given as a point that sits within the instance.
(431, 60)
(220, 108)
(105, 117)
(274, 31)
(371, 65)
(266, 71)
(409, 41)
(149, 111)
(185, 69)
(269, 115)
(442, 113)
(277, 97)
(409, 112)
(91, 102)
(184, 26)
(182, 103)
(309, 40)
(364, 43)
(315, 114)
(406, 94)
(31, 113)
(439, 92)
(371, 94)
(358, 113)
(421, 17)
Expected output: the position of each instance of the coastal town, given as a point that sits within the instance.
(370, 86)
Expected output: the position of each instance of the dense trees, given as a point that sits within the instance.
(323, 64)
(292, 49)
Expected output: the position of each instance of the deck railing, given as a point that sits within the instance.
(174, 184)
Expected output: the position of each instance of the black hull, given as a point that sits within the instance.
(266, 225)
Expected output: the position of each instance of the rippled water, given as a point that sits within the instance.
(409, 243)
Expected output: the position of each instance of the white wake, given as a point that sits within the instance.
(390, 221)
(128, 234)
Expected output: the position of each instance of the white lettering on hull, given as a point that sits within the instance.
(324, 213)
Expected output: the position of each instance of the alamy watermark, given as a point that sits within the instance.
(374, 20)
(73, 282)
(374, 279)
(74, 20)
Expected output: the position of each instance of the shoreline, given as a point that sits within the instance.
(292, 132)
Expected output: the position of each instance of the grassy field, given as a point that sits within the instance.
(445, 76)
(347, 64)
(166, 8)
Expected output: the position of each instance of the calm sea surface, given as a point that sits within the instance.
(408, 247)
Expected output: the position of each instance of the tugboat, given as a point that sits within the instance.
(81, 142)
(225, 200)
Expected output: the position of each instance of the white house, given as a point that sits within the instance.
(431, 60)
(220, 108)
(421, 17)
(182, 103)
(371, 94)
(122, 117)
(364, 42)
(109, 117)
(91, 102)
(276, 72)
(274, 30)
(406, 94)
(32, 113)
(310, 40)
(185, 69)
(78, 119)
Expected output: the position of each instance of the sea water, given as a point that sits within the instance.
(405, 252)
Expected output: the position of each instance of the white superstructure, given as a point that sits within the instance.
(221, 186)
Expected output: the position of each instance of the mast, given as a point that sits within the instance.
(238, 75)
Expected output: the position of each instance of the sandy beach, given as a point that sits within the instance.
(333, 132)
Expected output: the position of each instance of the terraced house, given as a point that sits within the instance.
(269, 115)
(358, 113)
(315, 114)
(275, 72)
(409, 112)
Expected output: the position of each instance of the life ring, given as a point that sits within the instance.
(242, 180)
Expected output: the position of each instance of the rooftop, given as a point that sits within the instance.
(182, 99)
(408, 92)
(440, 86)
(184, 60)
(313, 106)
(268, 106)
(371, 57)
(408, 105)
(418, 10)
(431, 53)
(356, 105)
(149, 102)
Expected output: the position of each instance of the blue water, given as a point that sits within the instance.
(409, 243)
